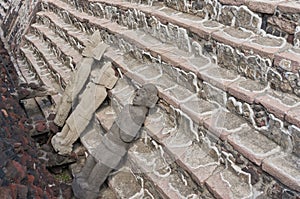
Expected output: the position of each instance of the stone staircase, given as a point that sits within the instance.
(227, 124)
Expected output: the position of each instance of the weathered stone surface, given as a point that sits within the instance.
(284, 167)
(219, 77)
(198, 109)
(233, 2)
(288, 60)
(293, 116)
(253, 145)
(230, 183)
(265, 46)
(283, 24)
(206, 163)
(107, 154)
(106, 117)
(232, 36)
(91, 98)
(125, 184)
(153, 162)
(295, 134)
(278, 103)
(72, 90)
(263, 6)
(246, 90)
(223, 123)
(289, 7)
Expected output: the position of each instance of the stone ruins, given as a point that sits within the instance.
(164, 98)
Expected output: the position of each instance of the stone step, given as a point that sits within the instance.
(200, 160)
(64, 29)
(30, 76)
(247, 147)
(150, 161)
(58, 69)
(186, 151)
(65, 48)
(41, 70)
(276, 17)
(238, 44)
(214, 75)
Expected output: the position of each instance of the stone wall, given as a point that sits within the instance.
(18, 17)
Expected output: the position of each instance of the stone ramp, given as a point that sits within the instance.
(235, 115)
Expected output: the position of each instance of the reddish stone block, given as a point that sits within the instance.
(276, 103)
(233, 2)
(41, 126)
(218, 187)
(284, 168)
(205, 29)
(223, 123)
(263, 6)
(232, 36)
(289, 7)
(229, 183)
(293, 116)
(166, 97)
(246, 89)
(288, 60)
(264, 46)
(219, 77)
(253, 145)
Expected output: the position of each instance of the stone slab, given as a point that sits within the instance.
(288, 60)
(219, 77)
(246, 89)
(265, 46)
(223, 123)
(228, 184)
(198, 109)
(263, 6)
(284, 167)
(293, 116)
(232, 36)
(277, 103)
(253, 145)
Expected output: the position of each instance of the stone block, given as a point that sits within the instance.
(263, 6)
(295, 134)
(284, 167)
(232, 36)
(246, 90)
(277, 103)
(265, 46)
(223, 123)
(229, 183)
(288, 60)
(253, 145)
(293, 116)
(219, 77)
(198, 109)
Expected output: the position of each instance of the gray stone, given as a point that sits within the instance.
(72, 90)
(111, 150)
(92, 97)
